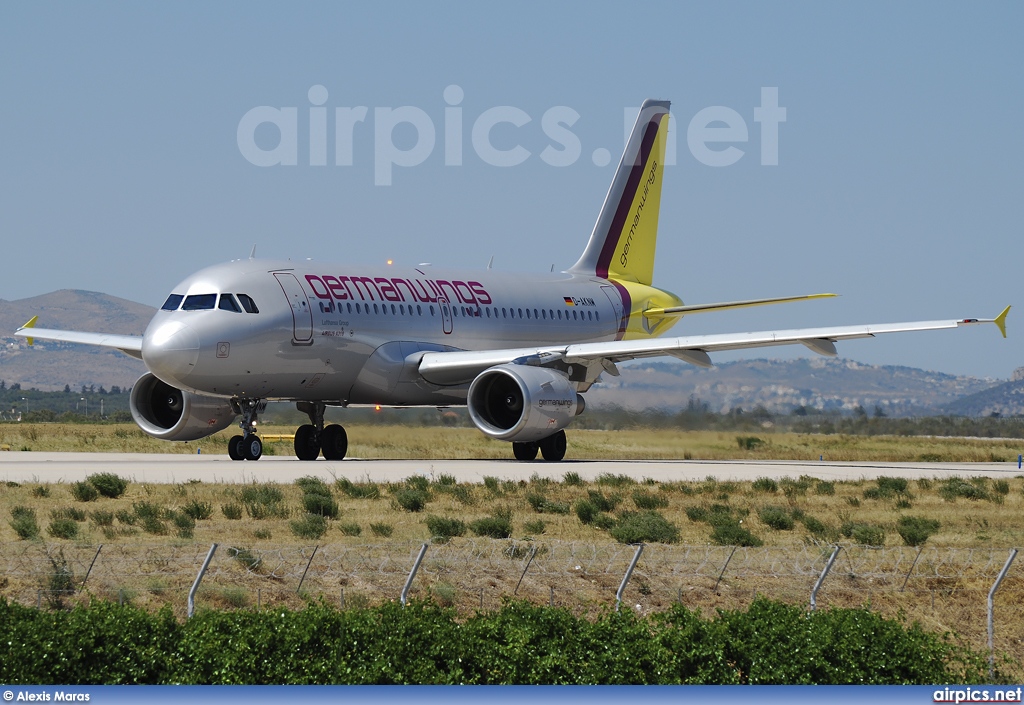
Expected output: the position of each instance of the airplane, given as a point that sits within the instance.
(519, 350)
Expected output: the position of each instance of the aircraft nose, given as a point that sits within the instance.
(170, 351)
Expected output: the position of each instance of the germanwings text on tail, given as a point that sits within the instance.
(519, 351)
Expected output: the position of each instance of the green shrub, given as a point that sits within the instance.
(749, 442)
(185, 524)
(585, 511)
(84, 491)
(350, 529)
(41, 491)
(649, 500)
(418, 482)
(309, 526)
(537, 526)
(411, 499)
(23, 521)
(825, 487)
(1001, 487)
(362, 490)
(572, 479)
(492, 485)
(324, 505)
(100, 518)
(776, 517)
(615, 480)
(444, 480)
(819, 529)
(231, 511)
(261, 494)
(382, 529)
(108, 484)
(313, 485)
(732, 534)
(602, 502)
(764, 484)
(644, 527)
(868, 535)
(71, 513)
(956, 487)
(442, 529)
(495, 527)
(199, 510)
(63, 528)
(542, 504)
(604, 522)
(916, 530)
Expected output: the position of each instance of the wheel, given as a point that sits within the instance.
(251, 447)
(524, 451)
(307, 445)
(334, 442)
(553, 447)
(233, 450)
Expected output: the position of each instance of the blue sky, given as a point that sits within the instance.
(898, 182)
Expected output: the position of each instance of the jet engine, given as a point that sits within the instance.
(522, 403)
(171, 414)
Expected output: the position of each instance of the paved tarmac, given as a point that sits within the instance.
(18, 466)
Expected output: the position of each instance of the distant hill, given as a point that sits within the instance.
(1005, 399)
(781, 385)
(49, 366)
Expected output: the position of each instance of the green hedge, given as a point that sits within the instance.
(770, 642)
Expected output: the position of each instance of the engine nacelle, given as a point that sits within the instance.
(171, 414)
(522, 403)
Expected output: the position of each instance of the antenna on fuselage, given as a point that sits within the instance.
(552, 267)
(252, 254)
(490, 262)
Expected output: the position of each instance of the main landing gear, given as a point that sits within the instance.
(552, 448)
(247, 446)
(314, 438)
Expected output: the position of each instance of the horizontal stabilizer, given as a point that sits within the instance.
(729, 305)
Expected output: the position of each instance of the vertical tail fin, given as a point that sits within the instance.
(624, 237)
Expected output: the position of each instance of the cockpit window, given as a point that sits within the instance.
(227, 303)
(199, 302)
(172, 303)
(248, 304)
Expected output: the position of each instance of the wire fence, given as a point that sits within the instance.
(946, 589)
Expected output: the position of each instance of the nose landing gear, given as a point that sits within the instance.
(247, 446)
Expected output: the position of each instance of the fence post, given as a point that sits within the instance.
(532, 554)
(991, 612)
(90, 567)
(625, 578)
(904, 587)
(821, 578)
(199, 578)
(412, 573)
(723, 569)
(308, 563)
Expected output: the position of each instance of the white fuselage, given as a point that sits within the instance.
(354, 335)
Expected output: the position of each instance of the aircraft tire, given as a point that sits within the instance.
(524, 451)
(234, 452)
(553, 447)
(334, 442)
(307, 445)
(252, 448)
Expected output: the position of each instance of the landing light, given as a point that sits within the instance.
(377, 408)
(390, 261)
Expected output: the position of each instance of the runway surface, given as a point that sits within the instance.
(158, 468)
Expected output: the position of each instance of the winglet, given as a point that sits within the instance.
(32, 324)
(1001, 321)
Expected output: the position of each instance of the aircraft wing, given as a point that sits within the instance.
(128, 344)
(459, 367)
